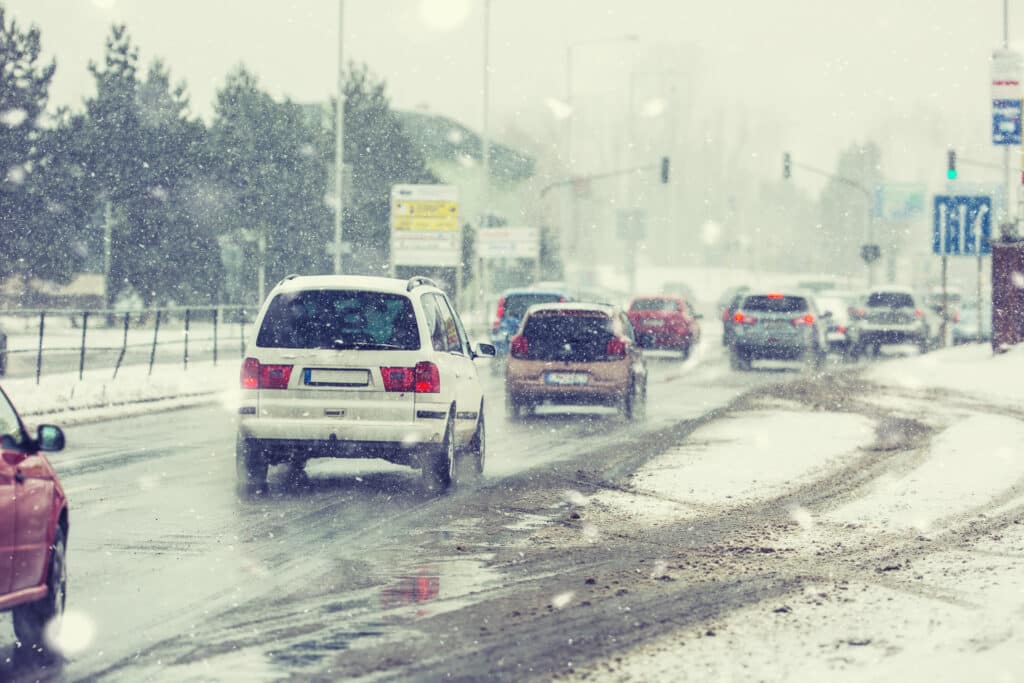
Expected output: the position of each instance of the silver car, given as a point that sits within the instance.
(777, 326)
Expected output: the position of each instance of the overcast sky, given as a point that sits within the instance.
(831, 71)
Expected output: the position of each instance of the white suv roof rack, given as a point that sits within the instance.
(419, 281)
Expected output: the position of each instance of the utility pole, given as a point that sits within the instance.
(485, 152)
(339, 145)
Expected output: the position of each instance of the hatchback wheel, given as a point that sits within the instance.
(30, 620)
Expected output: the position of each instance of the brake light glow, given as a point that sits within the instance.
(399, 379)
(841, 329)
(519, 346)
(616, 347)
(918, 313)
(499, 314)
(742, 318)
(775, 295)
(804, 321)
(257, 376)
(428, 379)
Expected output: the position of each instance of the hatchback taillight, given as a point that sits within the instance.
(258, 376)
(804, 321)
(616, 347)
(520, 347)
(918, 313)
(741, 318)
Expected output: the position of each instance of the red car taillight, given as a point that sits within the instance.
(740, 318)
(257, 376)
(616, 347)
(499, 314)
(918, 313)
(805, 321)
(428, 379)
(841, 329)
(399, 379)
(520, 347)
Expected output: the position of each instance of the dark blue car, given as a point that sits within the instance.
(512, 306)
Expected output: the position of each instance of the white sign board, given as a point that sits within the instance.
(425, 227)
(508, 242)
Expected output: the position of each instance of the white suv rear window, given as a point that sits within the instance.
(339, 319)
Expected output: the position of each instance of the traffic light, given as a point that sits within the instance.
(785, 166)
(664, 170)
(951, 164)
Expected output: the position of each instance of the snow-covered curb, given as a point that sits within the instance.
(64, 399)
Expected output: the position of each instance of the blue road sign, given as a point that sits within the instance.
(962, 225)
(1006, 126)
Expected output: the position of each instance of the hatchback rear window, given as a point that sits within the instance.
(339, 319)
(662, 305)
(775, 304)
(516, 304)
(568, 335)
(890, 300)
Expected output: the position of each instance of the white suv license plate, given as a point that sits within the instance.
(573, 379)
(315, 377)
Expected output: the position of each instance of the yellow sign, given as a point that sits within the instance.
(428, 215)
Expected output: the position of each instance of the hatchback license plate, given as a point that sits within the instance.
(567, 378)
(316, 377)
(654, 323)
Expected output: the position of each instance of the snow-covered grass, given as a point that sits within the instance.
(63, 399)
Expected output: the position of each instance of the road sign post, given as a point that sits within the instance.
(962, 225)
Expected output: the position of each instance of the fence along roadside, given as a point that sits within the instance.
(64, 340)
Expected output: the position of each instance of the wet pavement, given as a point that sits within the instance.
(175, 578)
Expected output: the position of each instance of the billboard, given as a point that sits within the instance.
(425, 229)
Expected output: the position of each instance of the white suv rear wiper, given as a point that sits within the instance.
(340, 344)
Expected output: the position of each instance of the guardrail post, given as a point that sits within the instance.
(81, 353)
(215, 311)
(39, 354)
(185, 357)
(156, 332)
(124, 344)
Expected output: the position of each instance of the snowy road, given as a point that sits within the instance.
(592, 548)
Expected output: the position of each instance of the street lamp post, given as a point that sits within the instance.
(339, 143)
(485, 152)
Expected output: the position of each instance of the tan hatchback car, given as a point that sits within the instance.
(575, 354)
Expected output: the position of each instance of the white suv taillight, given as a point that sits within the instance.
(257, 376)
(422, 379)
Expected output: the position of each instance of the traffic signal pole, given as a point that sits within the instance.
(788, 164)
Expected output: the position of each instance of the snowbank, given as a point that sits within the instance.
(64, 399)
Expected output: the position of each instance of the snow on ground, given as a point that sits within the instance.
(64, 399)
(741, 459)
(970, 369)
(934, 624)
(968, 465)
(951, 615)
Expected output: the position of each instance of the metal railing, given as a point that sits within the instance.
(64, 340)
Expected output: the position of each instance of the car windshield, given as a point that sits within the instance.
(890, 300)
(567, 335)
(656, 305)
(775, 304)
(279, 271)
(516, 304)
(326, 319)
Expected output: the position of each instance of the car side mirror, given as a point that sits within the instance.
(485, 350)
(50, 438)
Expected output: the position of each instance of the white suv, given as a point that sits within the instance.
(360, 367)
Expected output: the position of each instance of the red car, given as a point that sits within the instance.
(664, 322)
(33, 527)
